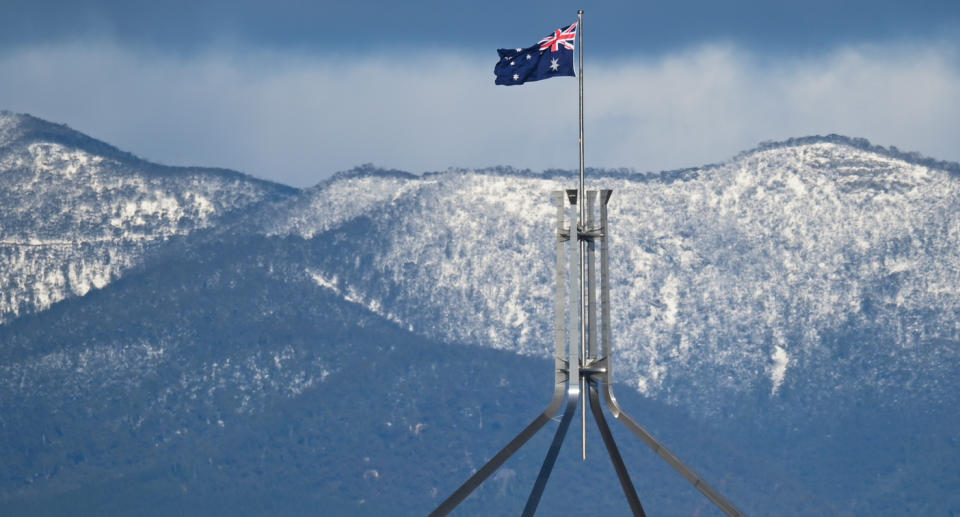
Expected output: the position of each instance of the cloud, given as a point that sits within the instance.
(298, 118)
(708, 103)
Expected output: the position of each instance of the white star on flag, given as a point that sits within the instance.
(554, 64)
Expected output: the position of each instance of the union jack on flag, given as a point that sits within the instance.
(552, 56)
(565, 37)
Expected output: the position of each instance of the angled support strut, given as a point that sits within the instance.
(561, 377)
(573, 399)
(625, 483)
(715, 497)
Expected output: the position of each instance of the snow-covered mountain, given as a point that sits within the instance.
(822, 258)
(77, 212)
(201, 330)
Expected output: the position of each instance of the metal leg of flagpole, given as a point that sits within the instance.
(561, 371)
(715, 497)
(573, 399)
(491, 466)
(698, 482)
(628, 490)
(573, 378)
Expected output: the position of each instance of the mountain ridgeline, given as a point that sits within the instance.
(198, 341)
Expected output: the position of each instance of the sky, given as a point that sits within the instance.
(295, 91)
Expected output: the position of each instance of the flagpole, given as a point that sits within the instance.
(583, 246)
(580, 77)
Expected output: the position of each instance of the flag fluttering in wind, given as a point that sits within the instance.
(550, 57)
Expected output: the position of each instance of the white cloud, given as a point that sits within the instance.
(299, 118)
(709, 103)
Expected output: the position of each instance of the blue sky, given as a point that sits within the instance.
(295, 91)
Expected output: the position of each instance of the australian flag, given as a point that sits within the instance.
(550, 57)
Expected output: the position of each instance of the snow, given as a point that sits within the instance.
(57, 159)
(741, 267)
(338, 202)
(779, 369)
(724, 279)
(354, 296)
(74, 221)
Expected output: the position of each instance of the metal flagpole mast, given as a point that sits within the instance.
(583, 246)
(594, 366)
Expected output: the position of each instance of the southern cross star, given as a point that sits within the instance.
(516, 77)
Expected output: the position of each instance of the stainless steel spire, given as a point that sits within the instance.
(580, 372)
